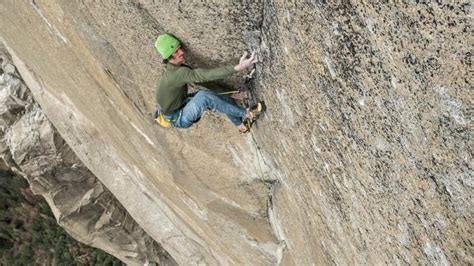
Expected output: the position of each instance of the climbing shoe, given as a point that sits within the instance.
(248, 125)
(256, 110)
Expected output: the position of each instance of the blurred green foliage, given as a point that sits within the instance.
(30, 235)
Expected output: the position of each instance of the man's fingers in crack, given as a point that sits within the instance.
(244, 56)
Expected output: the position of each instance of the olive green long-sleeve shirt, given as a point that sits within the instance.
(171, 90)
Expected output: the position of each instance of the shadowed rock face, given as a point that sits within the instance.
(367, 128)
(31, 146)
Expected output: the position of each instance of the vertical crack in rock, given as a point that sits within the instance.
(255, 38)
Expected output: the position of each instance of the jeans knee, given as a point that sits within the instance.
(182, 122)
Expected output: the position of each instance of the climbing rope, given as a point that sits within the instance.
(248, 124)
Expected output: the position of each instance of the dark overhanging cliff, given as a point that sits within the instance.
(367, 129)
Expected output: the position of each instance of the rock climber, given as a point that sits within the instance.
(182, 109)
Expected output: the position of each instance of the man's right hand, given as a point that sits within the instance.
(245, 62)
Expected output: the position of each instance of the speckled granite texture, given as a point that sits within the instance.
(369, 120)
(363, 157)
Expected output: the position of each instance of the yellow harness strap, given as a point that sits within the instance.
(162, 121)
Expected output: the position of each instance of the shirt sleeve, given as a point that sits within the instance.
(203, 75)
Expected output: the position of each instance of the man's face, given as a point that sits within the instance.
(178, 56)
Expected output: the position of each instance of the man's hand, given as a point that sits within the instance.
(246, 62)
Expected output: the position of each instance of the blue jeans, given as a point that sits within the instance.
(192, 111)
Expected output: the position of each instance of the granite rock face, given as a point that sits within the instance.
(374, 103)
(31, 146)
(363, 157)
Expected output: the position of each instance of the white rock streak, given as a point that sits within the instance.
(51, 28)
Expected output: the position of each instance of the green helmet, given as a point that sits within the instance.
(166, 44)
